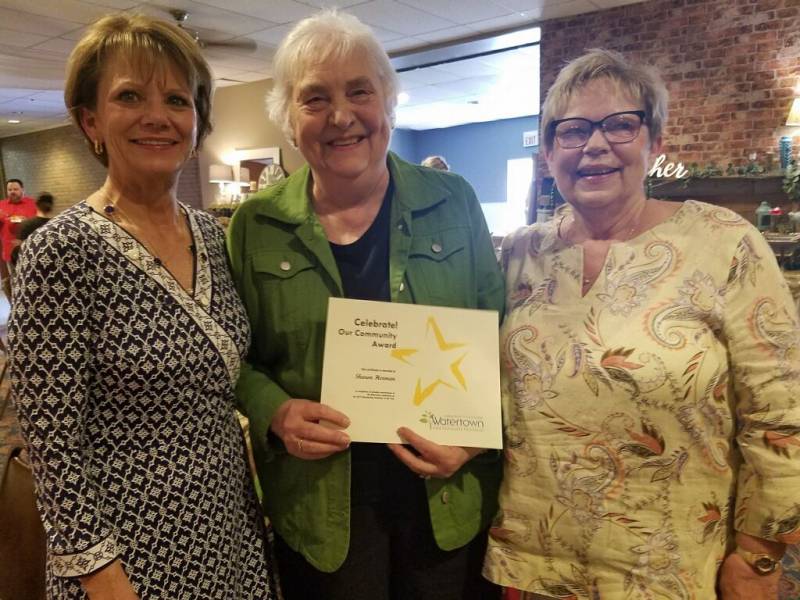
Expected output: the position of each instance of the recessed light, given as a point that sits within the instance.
(403, 98)
(14, 121)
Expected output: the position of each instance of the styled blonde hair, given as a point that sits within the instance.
(147, 43)
(641, 82)
(329, 34)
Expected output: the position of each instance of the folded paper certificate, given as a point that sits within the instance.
(434, 370)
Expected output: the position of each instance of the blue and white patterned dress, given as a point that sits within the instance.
(123, 383)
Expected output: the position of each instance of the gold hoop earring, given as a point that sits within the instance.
(99, 150)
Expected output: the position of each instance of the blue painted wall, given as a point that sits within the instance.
(404, 144)
(478, 151)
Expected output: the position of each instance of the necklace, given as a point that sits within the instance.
(563, 233)
(113, 212)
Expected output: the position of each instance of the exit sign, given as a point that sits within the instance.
(530, 138)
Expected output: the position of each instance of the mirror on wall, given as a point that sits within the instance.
(260, 166)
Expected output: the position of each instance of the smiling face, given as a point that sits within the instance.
(147, 122)
(339, 119)
(602, 174)
(14, 192)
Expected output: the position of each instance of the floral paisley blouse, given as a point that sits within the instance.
(652, 417)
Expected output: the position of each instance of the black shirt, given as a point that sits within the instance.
(364, 264)
(364, 269)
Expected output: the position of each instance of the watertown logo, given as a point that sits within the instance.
(451, 422)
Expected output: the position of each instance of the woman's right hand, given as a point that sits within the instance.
(296, 422)
(109, 583)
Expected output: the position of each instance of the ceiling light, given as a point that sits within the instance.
(403, 98)
(14, 121)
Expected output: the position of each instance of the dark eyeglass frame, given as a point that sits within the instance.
(599, 125)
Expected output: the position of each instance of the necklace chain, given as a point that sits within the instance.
(563, 234)
(113, 212)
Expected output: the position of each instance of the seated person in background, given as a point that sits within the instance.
(436, 162)
(44, 206)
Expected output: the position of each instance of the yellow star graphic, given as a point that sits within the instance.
(420, 392)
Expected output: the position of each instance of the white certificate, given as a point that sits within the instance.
(434, 370)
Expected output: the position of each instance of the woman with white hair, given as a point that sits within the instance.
(356, 521)
(650, 373)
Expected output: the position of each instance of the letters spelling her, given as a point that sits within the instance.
(669, 170)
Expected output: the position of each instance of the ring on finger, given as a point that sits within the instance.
(299, 444)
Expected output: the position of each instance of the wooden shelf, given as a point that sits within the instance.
(742, 194)
(764, 187)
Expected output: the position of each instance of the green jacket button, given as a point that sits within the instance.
(445, 497)
(285, 265)
(402, 286)
(436, 248)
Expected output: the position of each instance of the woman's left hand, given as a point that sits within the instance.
(738, 581)
(434, 460)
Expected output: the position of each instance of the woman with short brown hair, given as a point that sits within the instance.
(126, 342)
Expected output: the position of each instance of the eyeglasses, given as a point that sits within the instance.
(617, 128)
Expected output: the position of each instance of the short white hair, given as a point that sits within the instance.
(329, 34)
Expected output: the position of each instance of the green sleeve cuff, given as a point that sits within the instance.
(258, 398)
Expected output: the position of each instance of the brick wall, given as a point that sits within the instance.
(189, 190)
(59, 161)
(55, 160)
(730, 66)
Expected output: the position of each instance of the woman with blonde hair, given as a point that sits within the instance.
(126, 339)
(650, 373)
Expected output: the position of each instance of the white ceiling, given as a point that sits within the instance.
(474, 90)
(36, 37)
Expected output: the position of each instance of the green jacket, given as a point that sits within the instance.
(285, 273)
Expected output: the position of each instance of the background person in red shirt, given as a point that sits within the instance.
(14, 209)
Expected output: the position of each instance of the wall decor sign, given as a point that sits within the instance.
(669, 169)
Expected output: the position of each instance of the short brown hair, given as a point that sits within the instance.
(146, 42)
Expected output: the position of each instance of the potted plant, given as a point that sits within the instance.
(791, 181)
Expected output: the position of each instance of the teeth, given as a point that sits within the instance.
(346, 142)
(153, 143)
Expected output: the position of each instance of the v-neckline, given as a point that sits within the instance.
(139, 254)
(197, 305)
(579, 250)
